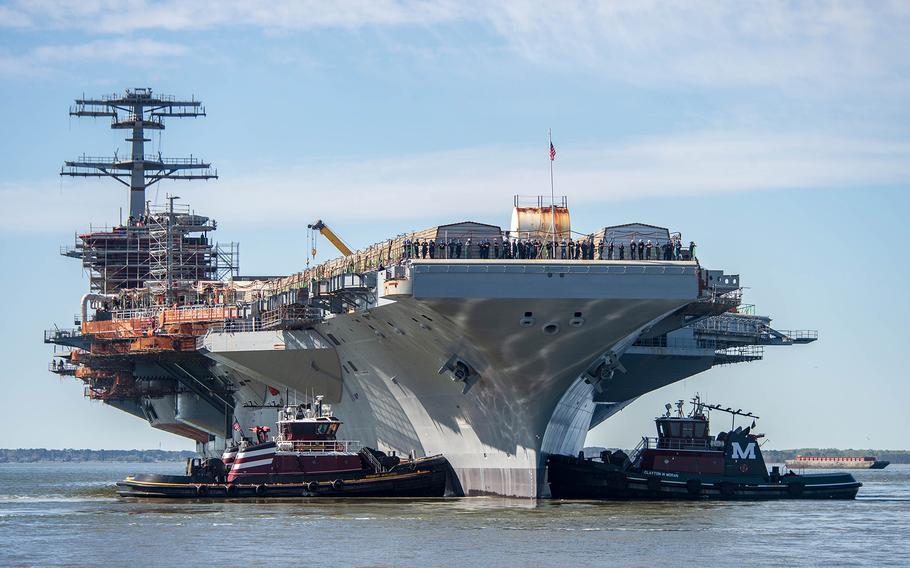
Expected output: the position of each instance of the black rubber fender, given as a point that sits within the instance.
(796, 489)
(727, 489)
(693, 487)
(312, 486)
(230, 490)
(337, 484)
(262, 490)
(202, 490)
(654, 484)
(618, 481)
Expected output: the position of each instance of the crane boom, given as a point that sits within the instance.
(331, 236)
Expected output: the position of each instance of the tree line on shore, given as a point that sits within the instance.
(32, 455)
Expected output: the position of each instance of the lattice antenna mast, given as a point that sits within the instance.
(138, 110)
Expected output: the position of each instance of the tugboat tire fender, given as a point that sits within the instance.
(693, 486)
(337, 484)
(653, 484)
(312, 486)
(618, 481)
(795, 489)
(261, 490)
(202, 490)
(727, 489)
(230, 490)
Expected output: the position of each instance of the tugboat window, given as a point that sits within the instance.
(687, 429)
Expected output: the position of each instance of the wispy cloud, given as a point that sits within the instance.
(46, 58)
(695, 42)
(714, 43)
(466, 183)
(111, 16)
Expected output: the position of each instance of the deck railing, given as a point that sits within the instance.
(678, 443)
(322, 446)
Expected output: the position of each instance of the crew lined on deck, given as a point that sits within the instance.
(587, 247)
(583, 248)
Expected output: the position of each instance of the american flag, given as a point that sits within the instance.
(236, 425)
(552, 152)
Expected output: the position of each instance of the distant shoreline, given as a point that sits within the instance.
(36, 455)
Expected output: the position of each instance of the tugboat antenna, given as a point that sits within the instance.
(735, 413)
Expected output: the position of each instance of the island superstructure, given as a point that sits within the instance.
(493, 347)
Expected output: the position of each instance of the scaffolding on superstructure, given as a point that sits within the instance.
(180, 252)
(156, 281)
(115, 259)
(154, 245)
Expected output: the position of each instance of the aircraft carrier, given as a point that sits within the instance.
(495, 347)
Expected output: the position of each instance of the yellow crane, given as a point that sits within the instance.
(331, 236)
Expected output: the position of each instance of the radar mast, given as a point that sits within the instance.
(138, 110)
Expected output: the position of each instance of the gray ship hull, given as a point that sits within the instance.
(526, 395)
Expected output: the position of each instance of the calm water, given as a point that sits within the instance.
(68, 514)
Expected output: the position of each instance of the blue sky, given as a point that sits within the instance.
(774, 134)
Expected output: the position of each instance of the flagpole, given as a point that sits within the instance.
(552, 194)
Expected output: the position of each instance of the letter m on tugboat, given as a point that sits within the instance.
(740, 453)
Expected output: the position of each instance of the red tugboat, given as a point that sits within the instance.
(685, 461)
(305, 459)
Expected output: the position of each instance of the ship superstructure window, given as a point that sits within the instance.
(688, 429)
(334, 340)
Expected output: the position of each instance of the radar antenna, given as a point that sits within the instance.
(138, 110)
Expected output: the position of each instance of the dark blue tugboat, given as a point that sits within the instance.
(685, 461)
(305, 459)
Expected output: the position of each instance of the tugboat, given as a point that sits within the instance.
(305, 459)
(685, 461)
